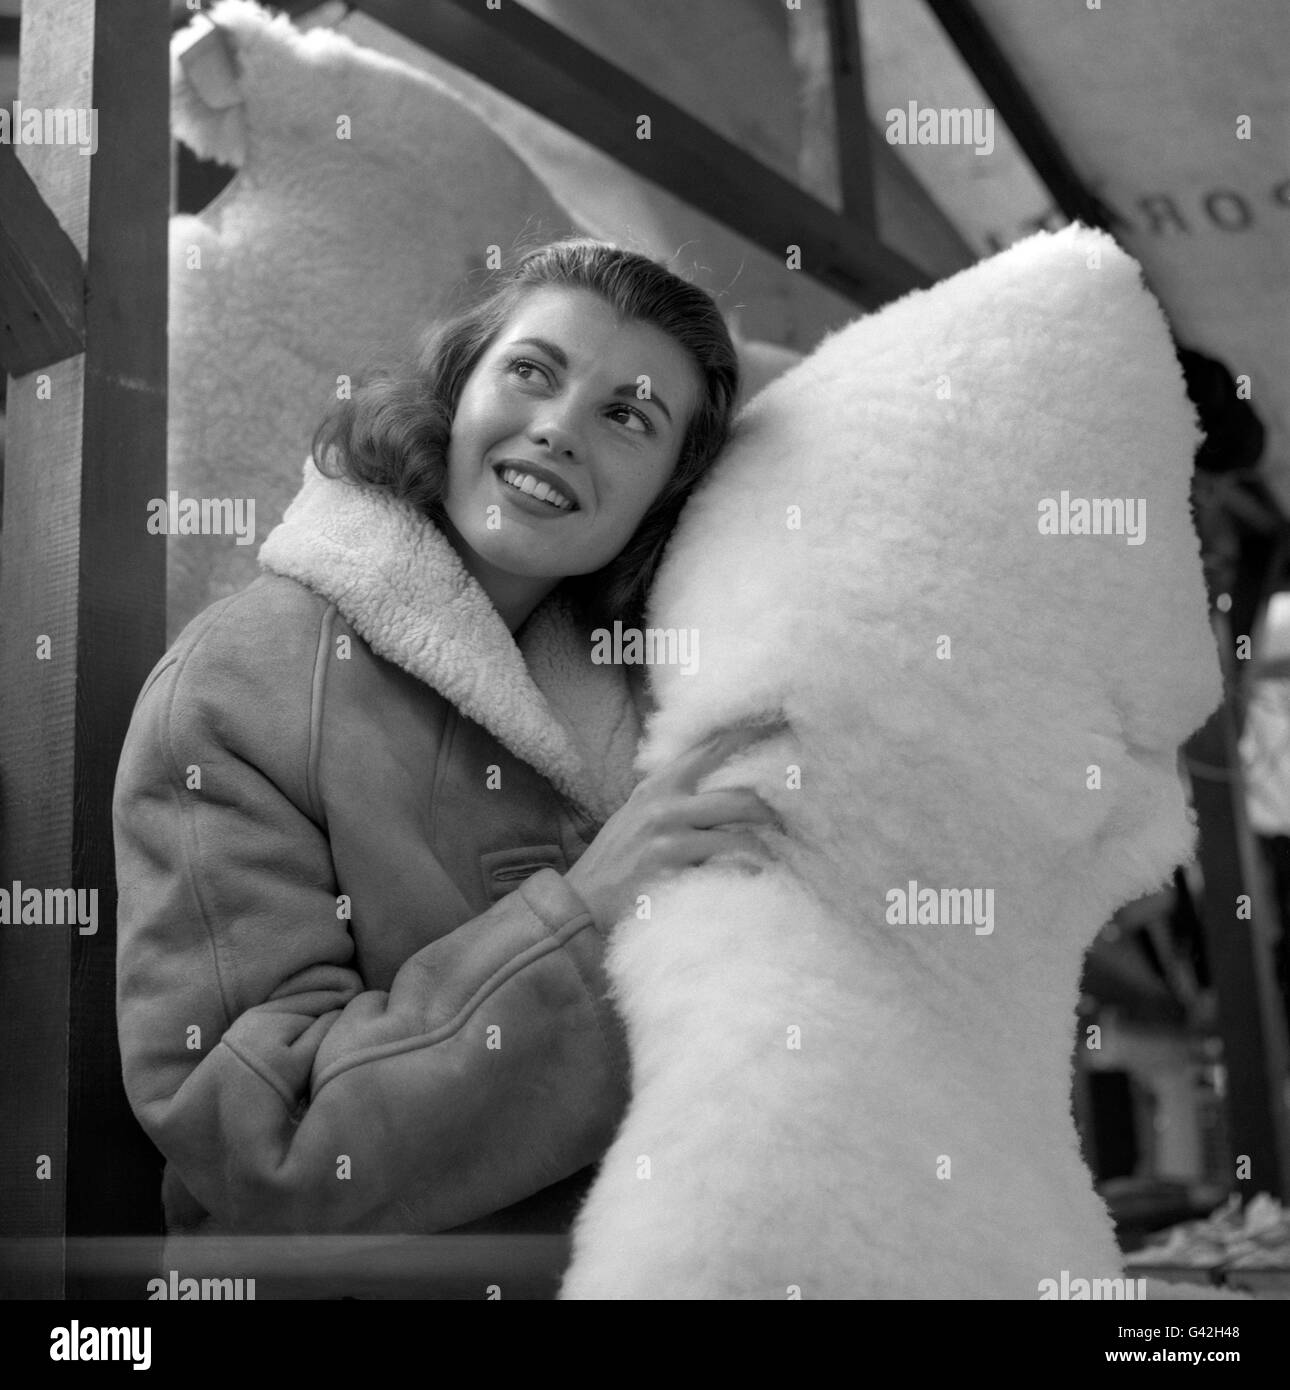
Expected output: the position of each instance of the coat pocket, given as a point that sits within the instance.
(505, 869)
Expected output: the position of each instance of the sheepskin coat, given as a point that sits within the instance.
(343, 812)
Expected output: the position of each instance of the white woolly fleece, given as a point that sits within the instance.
(825, 1101)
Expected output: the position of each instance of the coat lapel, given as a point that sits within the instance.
(402, 586)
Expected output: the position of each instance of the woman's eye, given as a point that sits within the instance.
(525, 369)
(636, 420)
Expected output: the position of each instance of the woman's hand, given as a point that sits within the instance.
(666, 826)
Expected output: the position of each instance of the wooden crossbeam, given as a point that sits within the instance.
(532, 61)
(42, 277)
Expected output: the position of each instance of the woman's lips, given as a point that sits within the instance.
(532, 506)
(547, 479)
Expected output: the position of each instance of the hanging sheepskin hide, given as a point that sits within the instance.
(952, 550)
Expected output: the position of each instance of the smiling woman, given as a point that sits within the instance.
(609, 375)
(557, 456)
(376, 814)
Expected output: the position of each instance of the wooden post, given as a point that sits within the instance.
(1238, 945)
(851, 116)
(82, 601)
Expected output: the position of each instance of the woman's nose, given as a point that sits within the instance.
(558, 429)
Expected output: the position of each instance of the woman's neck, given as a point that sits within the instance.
(515, 596)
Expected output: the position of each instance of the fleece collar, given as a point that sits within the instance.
(403, 588)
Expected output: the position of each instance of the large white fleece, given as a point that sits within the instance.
(825, 1102)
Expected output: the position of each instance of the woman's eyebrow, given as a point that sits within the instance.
(561, 360)
(556, 354)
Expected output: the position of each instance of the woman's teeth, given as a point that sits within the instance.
(544, 492)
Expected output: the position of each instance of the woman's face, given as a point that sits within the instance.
(558, 447)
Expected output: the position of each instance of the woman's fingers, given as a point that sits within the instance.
(695, 763)
(708, 844)
(730, 806)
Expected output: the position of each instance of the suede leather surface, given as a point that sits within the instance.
(444, 1052)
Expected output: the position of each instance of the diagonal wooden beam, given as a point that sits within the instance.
(532, 61)
(42, 277)
(974, 41)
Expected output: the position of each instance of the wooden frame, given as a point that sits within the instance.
(86, 450)
(532, 61)
(79, 569)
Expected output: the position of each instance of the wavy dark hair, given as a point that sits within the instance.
(393, 432)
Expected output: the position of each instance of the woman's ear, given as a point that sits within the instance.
(206, 93)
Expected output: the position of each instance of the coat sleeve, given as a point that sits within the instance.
(286, 1095)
